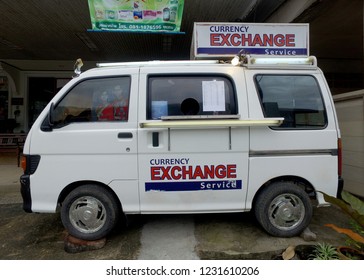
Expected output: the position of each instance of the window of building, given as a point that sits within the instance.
(189, 96)
(94, 100)
(296, 98)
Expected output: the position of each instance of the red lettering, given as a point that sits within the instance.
(187, 170)
(165, 171)
(220, 171)
(209, 171)
(231, 171)
(279, 40)
(257, 40)
(268, 40)
(225, 40)
(290, 40)
(214, 40)
(154, 173)
(235, 40)
(176, 173)
(198, 173)
(190, 172)
(246, 39)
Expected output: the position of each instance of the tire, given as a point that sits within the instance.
(90, 212)
(283, 209)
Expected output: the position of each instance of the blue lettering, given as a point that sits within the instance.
(169, 161)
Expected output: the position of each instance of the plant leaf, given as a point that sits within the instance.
(353, 235)
(346, 208)
(355, 202)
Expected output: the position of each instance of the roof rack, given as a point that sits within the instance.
(157, 62)
(284, 62)
(243, 60)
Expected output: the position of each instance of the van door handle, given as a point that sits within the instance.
(125, 135)
(155, 139)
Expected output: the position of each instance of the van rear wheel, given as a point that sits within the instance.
(89, 212)
(283, 209)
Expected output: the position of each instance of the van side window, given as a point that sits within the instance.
(190, 95)
(296, 98)
(94, 100)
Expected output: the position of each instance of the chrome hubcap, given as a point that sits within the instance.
(286, 211)
(87, 214)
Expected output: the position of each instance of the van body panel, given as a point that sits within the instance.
(309, 154)
(86, 151)
(182, 153)
(317, 170)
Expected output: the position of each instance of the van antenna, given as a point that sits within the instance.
(77, 67)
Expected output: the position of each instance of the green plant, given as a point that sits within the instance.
(350, 204)
(358, 229)
(323, 251)
(354, 207)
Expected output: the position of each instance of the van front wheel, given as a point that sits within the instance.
(283, 209)
(89, 212)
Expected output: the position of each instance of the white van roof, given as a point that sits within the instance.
(158, 63)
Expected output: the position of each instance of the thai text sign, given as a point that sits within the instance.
(136, 15)
(227, 39)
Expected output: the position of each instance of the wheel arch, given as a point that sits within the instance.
(299, 181)
(77, 184)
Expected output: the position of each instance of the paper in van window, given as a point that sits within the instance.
(159, 109)
(213, 95)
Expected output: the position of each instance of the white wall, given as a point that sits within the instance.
(350, 111)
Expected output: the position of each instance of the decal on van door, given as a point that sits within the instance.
(179, 175)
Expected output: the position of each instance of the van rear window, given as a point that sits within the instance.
(296, 98)
(190, 95)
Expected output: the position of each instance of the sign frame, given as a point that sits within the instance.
(219, 39)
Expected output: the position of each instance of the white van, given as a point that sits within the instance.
(185, 137)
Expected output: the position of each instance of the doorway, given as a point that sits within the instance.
(6, 125)
(41, 91)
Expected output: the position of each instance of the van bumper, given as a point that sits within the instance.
(25, 193)
(340, 187)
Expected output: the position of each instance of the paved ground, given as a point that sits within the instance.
(210, 236)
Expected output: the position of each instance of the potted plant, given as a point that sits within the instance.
(354, 207)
